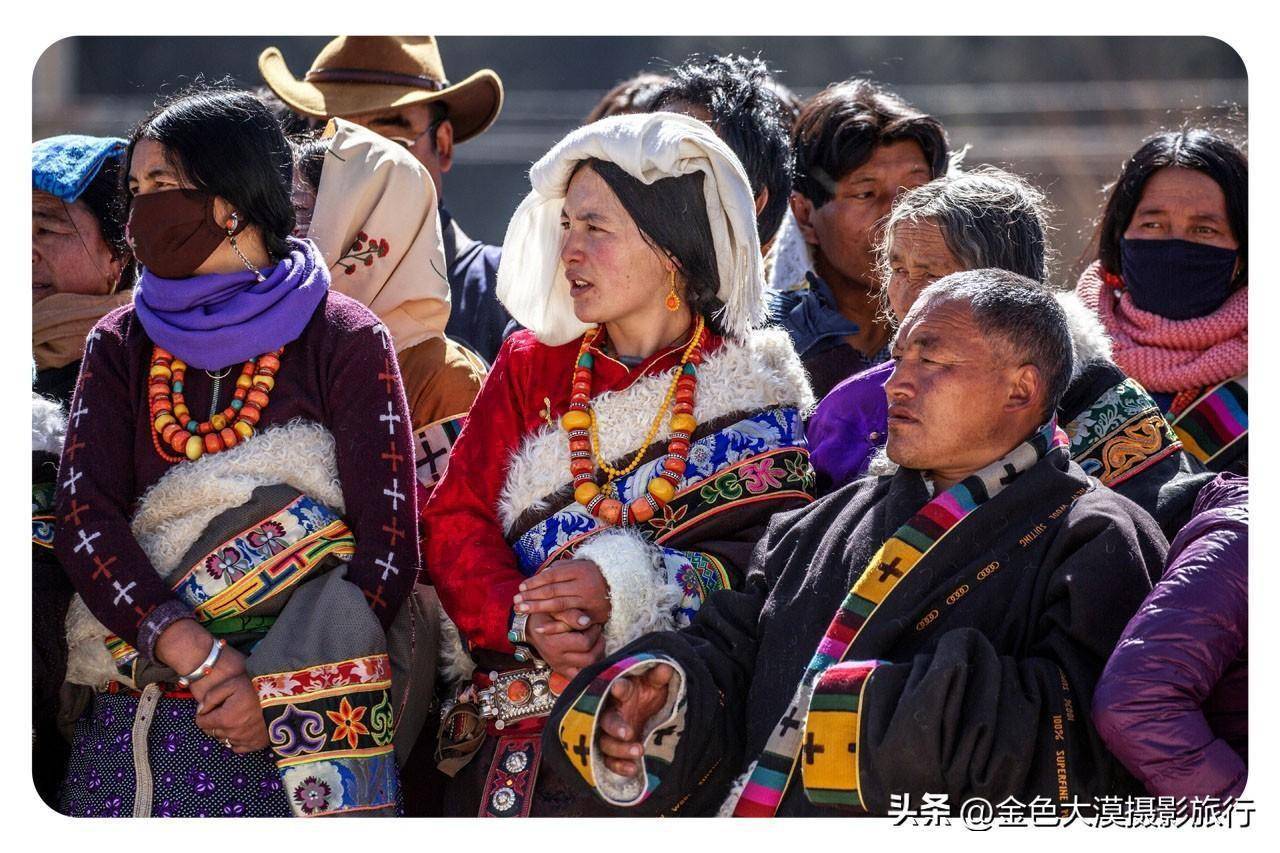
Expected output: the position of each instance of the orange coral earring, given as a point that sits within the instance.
(673, 298)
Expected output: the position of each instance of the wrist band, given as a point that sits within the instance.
(206, 666)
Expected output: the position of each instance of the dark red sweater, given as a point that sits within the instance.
(341, 372)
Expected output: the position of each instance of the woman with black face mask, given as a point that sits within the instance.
(235, 501)
(1171, 287)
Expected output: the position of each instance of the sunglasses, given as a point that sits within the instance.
(409, 143)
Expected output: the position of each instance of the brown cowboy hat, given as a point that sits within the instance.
(362, 74)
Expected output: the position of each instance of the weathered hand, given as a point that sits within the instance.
(569, 652)
(569, 585)
(631, 702)
(230, 711)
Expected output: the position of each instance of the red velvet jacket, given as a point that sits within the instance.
(465, 553)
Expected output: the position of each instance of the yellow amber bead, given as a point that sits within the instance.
(161, 370)
(195, 447)
(683, 423)
(243, 430)
(585, 492)
(163, 421)
(264, 382)
(662, 489)
(178, 365)
(575, 419)
(218, 421)
(180, 410)
(243, 381)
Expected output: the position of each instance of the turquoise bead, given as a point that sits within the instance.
(236, 404)
(690, 369)
(585, 360)
(177, 387)
(192, 426)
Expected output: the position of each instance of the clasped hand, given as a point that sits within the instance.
(568, 605)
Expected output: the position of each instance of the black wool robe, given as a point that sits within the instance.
(984, 692)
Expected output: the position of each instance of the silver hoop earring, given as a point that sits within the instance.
(232, 224)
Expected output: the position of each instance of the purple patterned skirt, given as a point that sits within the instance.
(193, 775)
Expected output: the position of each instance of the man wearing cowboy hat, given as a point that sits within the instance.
(396, 86)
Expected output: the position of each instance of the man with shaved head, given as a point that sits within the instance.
(936, 630)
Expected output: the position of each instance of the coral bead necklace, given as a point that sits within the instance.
(173, 428)
(584, 439)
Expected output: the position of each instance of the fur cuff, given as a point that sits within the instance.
(455, 662)
(642, 600)
(735, 792)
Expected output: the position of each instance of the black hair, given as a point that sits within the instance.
(1025, 315)
(1205, 151)
(633, 95)
(308, 155)
(671, 214)
(228, 144)
(749, 116)
(839, 129)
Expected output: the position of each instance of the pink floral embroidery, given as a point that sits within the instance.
(760, 476)
(228, 562)
(269, 536)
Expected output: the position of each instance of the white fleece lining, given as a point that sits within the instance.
(618, 790)
(760, 372)
(641, 600)
(174, 512)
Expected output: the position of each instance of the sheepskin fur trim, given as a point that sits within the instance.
(175, 511)
(641, 599)
(1090, 338)
(48, 425)
(735, 792)
(760, 372)
(455, 662)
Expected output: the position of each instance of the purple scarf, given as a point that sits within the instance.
(211, 321)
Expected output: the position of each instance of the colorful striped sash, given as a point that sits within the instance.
(768, 781)
(1216, 421)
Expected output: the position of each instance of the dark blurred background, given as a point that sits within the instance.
(1064, 111)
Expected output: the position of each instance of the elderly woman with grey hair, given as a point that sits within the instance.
(988, 218)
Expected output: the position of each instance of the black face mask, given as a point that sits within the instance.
(173, 232)
(1177, 279)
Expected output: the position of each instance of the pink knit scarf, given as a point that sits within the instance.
(1169, 355)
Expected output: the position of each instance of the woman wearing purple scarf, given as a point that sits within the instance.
(235, 501)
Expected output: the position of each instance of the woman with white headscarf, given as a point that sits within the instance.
(626, 450)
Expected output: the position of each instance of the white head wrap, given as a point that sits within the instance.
(649, 147)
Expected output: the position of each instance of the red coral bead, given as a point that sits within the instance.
(678, 446)
(682, 409)
(674, 464)
(609, 511)
(640, 510)
(581, 466)
(250, 413)
(257, 398)
(212, 443)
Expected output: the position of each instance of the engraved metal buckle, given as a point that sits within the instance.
(517, 694)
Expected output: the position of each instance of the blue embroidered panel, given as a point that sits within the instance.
(759, 433)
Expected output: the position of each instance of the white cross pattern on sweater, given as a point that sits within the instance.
(388, 565)
(85, 542)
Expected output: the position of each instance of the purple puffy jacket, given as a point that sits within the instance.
(1172, 703)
